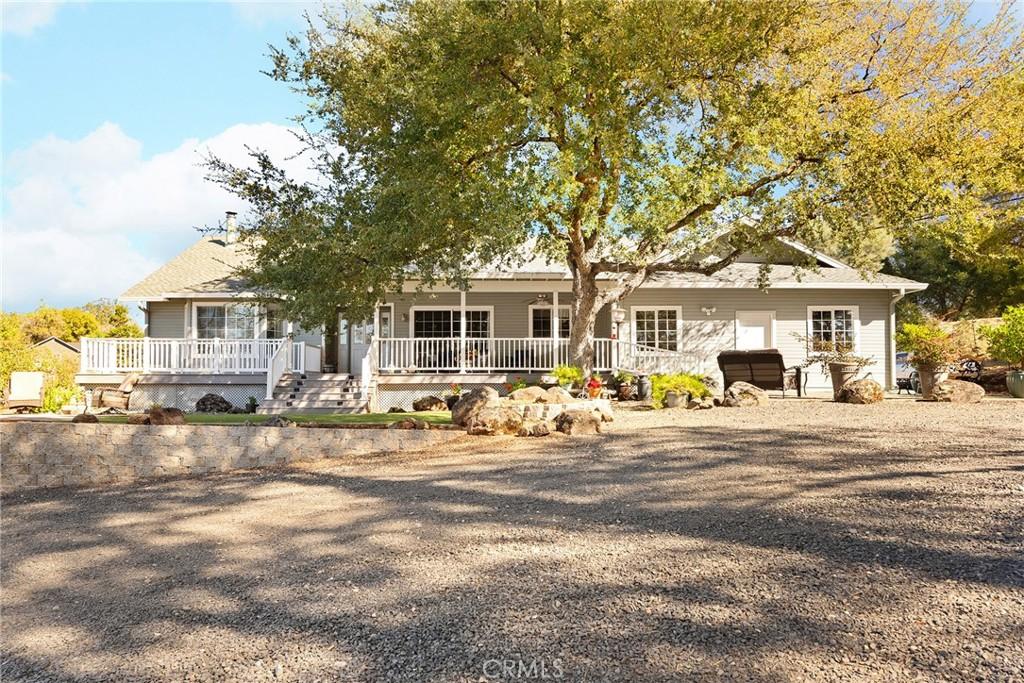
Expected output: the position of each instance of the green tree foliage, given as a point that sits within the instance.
(114, 319)
(626, 137)
(960, 285)
(79, 323)
(42, 323)
(1006, 340)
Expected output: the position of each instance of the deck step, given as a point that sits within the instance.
(299, 404)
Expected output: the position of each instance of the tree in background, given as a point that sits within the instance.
(627, 138)
(42, 323)
(114, 319)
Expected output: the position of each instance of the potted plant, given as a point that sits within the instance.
(594, 386)
(568, 376)
(838, 360)
(932, 351)
(1006, 342)
(626, 385)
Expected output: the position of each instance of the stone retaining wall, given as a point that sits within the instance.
(549, 411)
(36, 454)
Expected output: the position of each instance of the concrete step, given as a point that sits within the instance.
(328, 376)
(336, 410)
(299, 404)
(317, 395)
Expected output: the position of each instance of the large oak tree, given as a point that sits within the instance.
(627, 138)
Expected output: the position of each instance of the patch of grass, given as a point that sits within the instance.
(433, 417)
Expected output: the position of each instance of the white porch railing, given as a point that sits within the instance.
(503, 354)
(201, 356)
(279, 363)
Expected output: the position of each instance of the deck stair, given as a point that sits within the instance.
(315, 393)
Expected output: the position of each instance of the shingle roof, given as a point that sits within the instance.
(207, 267)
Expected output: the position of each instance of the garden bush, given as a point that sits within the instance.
(681, 383)
(1006, 340)
(568, 374)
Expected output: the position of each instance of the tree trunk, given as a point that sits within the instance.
(587, 302)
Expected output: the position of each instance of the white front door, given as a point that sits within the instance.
(754, 330)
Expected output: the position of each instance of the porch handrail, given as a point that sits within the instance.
(367, 368)
(279, 364)
(167, 355)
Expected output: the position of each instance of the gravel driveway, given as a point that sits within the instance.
(800, 541)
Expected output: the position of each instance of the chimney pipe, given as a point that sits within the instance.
(230, 227)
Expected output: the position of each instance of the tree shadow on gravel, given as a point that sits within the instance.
(650, 555)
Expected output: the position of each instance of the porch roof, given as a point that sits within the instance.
(207, 267)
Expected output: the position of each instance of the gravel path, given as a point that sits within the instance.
(802, 541)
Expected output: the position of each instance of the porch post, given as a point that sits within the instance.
(462, 331)
(556, 323)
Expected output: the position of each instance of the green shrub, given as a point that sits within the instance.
(568, 374)
(929, 345)
(1006, 341)
(59, 387)
(681, 383)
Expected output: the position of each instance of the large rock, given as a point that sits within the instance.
(861, 392)
(556, 395)
(471, 403)
(527, 394)
(492, 421)
(575, 422)
(212, 403)
(166, 416)
(85, 417)
(138, 419)
(535, 428)
(957, 391)
(278, 421)
(429, 403)
(604, 411)
(742, 395)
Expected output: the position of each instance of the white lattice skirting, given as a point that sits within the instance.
(402, 395)
(184, 396)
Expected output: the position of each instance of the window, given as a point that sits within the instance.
(384, 313)
(277, 326)
(225, 321)
(657, 327)
(444, 323)
(540, 321)
(830, 327)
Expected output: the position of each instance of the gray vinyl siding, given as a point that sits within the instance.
(166, 319)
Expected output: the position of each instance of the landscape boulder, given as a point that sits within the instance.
(166, 416)
(212, 403)
(85, 418)
(396, 409)
(494, 420)
(604, 411)
(429, 403)
(404, 423)
(576, 422)
(278, 421)
(700, 404)
(556, 395)
(861, 392)
(957, 391)
(138, 419)
(472, 403)
(743, 395)
(535, 428)
(527, 394)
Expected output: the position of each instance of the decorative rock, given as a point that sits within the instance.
(420, 424)
(138, 419)
(405, 423)
(472, 403)
(742, 395)
(494, 420)
(396, 409)
(86, 418)
(527, 394)
(450, 401)
(278, 421)
(212, 403)
(692, 404)
(604, 411)
(957, 391)
(861, 392)
(535, 428)
(556, 395)
(707, 403)
(166, 416)
(575, 422)
(429, 403)
(716, 402)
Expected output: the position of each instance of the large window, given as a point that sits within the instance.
(541, 321)
(277, 326)
(444, 323)
(225, 321)
(657, 327)
(832, 327)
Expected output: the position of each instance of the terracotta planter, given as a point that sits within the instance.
(594, 392)
(929, 378)
(841, 373)
(673, 399)
(1015, 383)
(627, 392)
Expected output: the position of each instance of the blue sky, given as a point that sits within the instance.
(107, 111)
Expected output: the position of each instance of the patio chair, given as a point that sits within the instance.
(26, 391)
(116, 398)
(764, 369)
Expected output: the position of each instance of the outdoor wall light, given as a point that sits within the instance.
(708, 310)
(618, 315)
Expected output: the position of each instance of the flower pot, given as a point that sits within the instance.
(1015, 383)
(627, 392)
(673, 399)
(594, 392)
(842, 373)
(929, 378)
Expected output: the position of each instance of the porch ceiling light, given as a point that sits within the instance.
(618, 315)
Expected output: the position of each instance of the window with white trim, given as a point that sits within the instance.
(277, 326)
(443, 323)
(225, 321)
(540, 321)
(657, 327)
(832, 327)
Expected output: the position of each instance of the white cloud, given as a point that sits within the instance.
(23, 18)
(88, 218)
